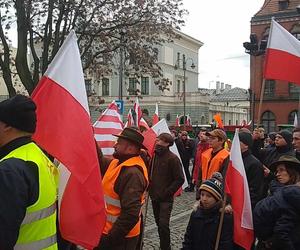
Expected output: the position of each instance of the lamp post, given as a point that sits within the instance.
(121, 66)
(254, 48)
(184, 62)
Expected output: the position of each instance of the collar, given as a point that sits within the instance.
(12, 145)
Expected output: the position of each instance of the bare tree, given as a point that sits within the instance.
(42, 26)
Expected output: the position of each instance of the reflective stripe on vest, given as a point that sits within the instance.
(38, 229)
(38, 245)
(112, 200)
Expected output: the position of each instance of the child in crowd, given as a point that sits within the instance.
(201, 232)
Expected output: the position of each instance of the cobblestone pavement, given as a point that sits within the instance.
(179, 218)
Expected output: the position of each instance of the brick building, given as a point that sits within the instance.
(281, 99)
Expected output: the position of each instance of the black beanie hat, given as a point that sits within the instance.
(272, 135)
(246, 138)
(214, 186)
(287, 135)
(19, 112)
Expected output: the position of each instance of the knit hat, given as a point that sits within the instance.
(272, 136)
(166, 137)
(214, 186)
(246, 138)
(19, 112)
(287, 135)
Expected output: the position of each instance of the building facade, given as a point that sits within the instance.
(280, 98)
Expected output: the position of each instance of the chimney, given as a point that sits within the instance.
(218, 90)
(227, 86)
(222, 85)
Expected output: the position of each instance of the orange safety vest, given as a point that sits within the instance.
(211, 166)
(112, 199)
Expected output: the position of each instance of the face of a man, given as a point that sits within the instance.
(279, 141)
(296, 140)
(202, 136)
(255, 134)
(121, 148)
(215, 142)
(282, 175)
(243, 146)
(162, 143)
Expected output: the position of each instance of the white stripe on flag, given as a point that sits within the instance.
(111, 112)
(99, 137)
(103, 124)
(107, 151)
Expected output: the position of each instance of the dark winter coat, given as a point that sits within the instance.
(255, 177)
(201, 232)
(277, 217)
(167, 177)
(185, 149)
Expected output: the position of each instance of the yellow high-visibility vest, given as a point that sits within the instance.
(38, 228)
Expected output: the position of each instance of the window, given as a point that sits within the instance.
(145, 86)
(88, 87)
(132, 86)
(283, 4)
(291, 117)
(268, 121)
(178, 86)
(269, 88)
(294, 90)
(296, 31)
(105, 87)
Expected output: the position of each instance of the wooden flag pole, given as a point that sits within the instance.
(260, 102)
(221, 222)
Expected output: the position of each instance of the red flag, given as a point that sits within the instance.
(144, 124)
(155, 118)
(282, 60)
(64, 131)
(236, 186)
(108, 123)
(149, 140)
(138, 112)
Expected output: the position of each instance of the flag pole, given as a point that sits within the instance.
(146, 205)
(260, 102)
(221, 222)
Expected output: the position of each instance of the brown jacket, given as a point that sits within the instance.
(167, 177)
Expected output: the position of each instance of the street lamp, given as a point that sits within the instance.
(184, 62)
(254, 48)
(121, 66)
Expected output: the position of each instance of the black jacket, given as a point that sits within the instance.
(255, 177)
(277, 217)
(18, 189)
(201, 232)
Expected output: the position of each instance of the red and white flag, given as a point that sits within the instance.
(188, 120)
(138, 112)
(109, 123)
(64, 131)
(144, 124)
(177, 121)
(282, 61)
(155, 118)
(236, 186)
(130, 120)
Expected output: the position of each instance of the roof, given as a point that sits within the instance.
(207, 91)
(235, 94)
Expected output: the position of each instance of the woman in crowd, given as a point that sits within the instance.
(277, 217)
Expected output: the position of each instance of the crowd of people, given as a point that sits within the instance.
(28, 187)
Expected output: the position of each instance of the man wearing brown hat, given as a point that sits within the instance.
(216, 158)
(28, 187)
(165, 179)
(124, 185)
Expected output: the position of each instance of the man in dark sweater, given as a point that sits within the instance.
(165, 179)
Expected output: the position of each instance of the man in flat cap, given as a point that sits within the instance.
(165, 179)
(124, 182)
(28, 187)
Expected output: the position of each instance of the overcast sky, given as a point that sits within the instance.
(222, 26)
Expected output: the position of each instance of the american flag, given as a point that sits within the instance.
(108, 123)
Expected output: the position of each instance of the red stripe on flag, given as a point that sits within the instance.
(107, 131)
(64, 130)
(281, 65)
(110, 118)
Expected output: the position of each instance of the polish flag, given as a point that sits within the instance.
(64, 131)
(130, 120)
(144, 124)
(188, 120)
(236, 186)
(109, 123)
(177, 121)
(138, 112)
(282, 60)
(155, 118)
